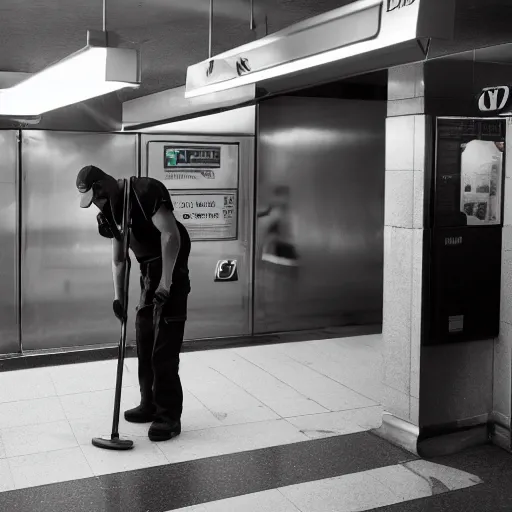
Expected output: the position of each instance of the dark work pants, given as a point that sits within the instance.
(159, 334)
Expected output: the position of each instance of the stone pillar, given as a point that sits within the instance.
(465, 392)
(406, 143)
(502, 382)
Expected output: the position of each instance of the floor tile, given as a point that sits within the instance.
(2, 448)
(266, 501)
(405, 484)
(97, 403)
(321, 389)
(317, 426)
(368, 418)
(6, 479)
(230, 439)
(145, 454)
(342, 363)
(25, 385)
(50, 467)
(349, 493)
(451, 478)
(37, 438)
(195, 415)
(229, 403)
(84, 377)
(273, 393)
(30, 412)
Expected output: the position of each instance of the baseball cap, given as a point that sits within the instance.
(86, 178)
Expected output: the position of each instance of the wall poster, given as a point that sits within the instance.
(469, 171)
(209, 216)
(481, 172)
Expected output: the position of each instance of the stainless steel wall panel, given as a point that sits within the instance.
(67, 288)
(216, 309)
(9, 330)
(320, 213)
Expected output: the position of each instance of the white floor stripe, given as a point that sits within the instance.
(354, 492)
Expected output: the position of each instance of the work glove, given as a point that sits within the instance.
(119, 310)
(161, 296)
(104, 228)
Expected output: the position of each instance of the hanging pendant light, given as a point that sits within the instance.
(93, 71)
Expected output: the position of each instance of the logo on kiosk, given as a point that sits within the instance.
(494, 99)
(393, 5)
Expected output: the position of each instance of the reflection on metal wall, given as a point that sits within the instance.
(320, 213)
(67, 288)
(8, 243)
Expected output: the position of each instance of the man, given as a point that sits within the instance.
(161, 245)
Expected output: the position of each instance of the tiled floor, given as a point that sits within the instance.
(235, 400)
(277, 428)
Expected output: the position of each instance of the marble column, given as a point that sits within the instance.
(407, 134)
(502, 382)
(466, 388)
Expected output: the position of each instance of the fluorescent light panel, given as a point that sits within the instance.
(89, 73)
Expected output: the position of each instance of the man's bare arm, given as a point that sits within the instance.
(118, 268)
(165, 222)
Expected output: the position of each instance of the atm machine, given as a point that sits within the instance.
(210, 180)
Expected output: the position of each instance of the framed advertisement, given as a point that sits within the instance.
(212, 215)
(470, 164)
(481, 178)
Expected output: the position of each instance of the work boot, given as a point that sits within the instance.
(141, 414)
(162, 430)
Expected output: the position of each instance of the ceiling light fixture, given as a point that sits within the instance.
(361, 27)
(93, 71)
(318, 40)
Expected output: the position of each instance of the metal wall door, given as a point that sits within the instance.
(221, 307)
(320, 204)
(66, 274)
(9, 331)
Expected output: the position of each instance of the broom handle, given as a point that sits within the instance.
(126, 285)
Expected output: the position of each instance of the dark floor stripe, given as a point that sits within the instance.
(73, 356)
(190, 483)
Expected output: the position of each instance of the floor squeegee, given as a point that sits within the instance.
(114, 442)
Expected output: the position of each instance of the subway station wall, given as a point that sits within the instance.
(319, 213)
(318, 256)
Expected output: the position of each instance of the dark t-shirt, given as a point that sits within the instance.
(148, 195)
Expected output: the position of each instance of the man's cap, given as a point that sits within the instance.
(86, 178)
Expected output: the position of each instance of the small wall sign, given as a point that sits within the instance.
(495, 100)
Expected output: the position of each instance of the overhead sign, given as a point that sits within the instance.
(495, 100)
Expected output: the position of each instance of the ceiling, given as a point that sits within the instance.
(171, 34)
